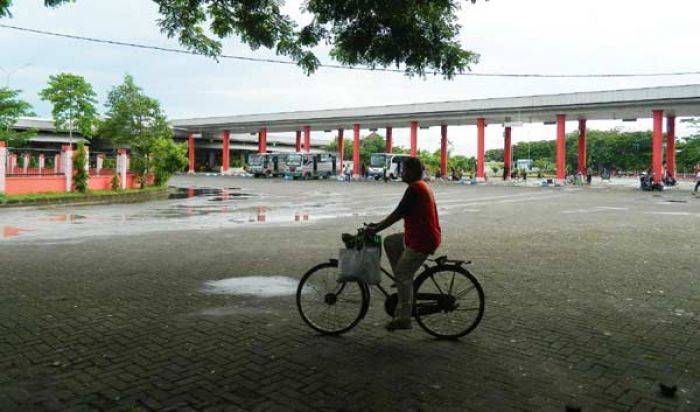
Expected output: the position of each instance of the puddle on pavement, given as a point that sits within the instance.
(260, 286)
(66, 217)
(189, 192)
(227, 197)
(11, 231)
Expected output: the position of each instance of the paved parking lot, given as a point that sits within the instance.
(592, 301)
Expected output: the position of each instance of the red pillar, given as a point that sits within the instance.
(341, 149)
(657, 145)
(356, 149)
(480, 137)
(262, 140)
(671, 145)
(414, 138)
(561, 147)
(307, 138)
(226, 152)
(389, 140)
(507, 152)
(190, 145)
(298, 144)
(582, 166)
(443, 150)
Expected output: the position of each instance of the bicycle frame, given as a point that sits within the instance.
(381, 289)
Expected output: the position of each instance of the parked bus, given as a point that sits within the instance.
(310, 166)
(267, 164)
(389, 164)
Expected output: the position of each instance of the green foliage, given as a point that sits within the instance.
(609, 149)
(73, 101)
(11, 109)
(109, 163)
(168, 158)
(688, 156)
(421, 36)
(136, 120)
(80, 175)
(373, 143)
(114, 183)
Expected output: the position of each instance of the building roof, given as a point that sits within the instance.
(38, 123)
(46, 132)
(247, 138)
(598, 105)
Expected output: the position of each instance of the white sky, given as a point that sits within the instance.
(538, 36)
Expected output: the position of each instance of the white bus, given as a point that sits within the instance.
(389, 164)
(310, 166)
(267, 164)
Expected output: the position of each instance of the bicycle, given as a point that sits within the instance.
(442, 291)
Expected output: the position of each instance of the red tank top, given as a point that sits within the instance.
(422, 231)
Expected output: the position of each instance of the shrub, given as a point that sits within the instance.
(168, 158)
(80, 175)
(115, 182)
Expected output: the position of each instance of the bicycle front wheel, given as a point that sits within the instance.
(327, 306)
(449, 301)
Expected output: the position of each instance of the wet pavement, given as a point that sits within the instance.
(188, 208)
(193, 205)
(186, 303)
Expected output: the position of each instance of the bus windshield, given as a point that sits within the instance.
(377, 160)
(294, 160)
(256, 160)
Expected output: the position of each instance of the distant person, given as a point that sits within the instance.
(589, 177)
(524, 175)
(697, 180)
(408, 251)
(363, 170)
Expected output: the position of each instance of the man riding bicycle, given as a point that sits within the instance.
(421, 237)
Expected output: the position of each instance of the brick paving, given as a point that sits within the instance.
(586, 307)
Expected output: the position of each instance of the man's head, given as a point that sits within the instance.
(412, 170)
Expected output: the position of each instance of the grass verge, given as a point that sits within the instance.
(148, 193)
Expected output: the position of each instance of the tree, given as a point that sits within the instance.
(73, 101)
(168, 158)
(11, 109)
(136, 120)
(374, 143)
(421, 36)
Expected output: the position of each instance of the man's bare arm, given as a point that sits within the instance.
(394, 217)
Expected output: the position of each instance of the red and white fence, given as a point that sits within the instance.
(35, 175)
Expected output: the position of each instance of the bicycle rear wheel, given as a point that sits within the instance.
(327, 306)
(449, 301)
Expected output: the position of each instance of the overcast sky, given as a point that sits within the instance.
(534, 36)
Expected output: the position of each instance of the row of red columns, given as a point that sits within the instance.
(656, 158)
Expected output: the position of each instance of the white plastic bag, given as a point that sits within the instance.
(363, 264)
